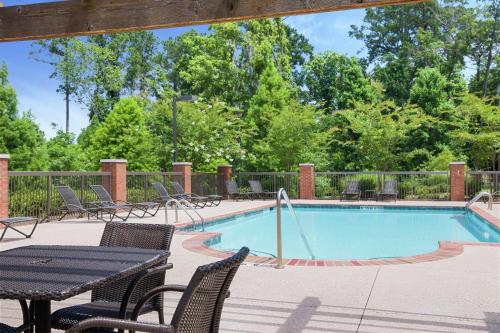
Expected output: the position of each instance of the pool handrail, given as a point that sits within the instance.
(479, 196)
(183, 203)
(282, 194)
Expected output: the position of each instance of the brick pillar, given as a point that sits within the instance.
(306, 179)
(457, 181)
(4, 185)
(118, 186)
(185, 178)
(224, 173)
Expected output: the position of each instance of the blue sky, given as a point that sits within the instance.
(37, 93)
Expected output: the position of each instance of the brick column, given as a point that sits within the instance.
(4, 185)
(224, 173)
(185, 178)
(457, 181)
(306, 179)
(118, 186)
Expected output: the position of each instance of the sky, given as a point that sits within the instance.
(36, 92)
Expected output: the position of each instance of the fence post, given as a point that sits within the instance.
(4, 185)
(457, 181)
(185, 178)
(224, 173)
(306, 181)
(118, 170)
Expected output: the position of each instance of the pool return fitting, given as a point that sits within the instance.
(279, 242)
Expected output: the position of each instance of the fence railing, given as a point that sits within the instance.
(411, 185)
(271, 181)
(34, 194)
(481, 181)
(139, 187)
(205, 183)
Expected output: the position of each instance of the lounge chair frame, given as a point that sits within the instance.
(258, 191)
(389, 190)
(210, 200)
(234, 193)
(352, 190)
(9, 223)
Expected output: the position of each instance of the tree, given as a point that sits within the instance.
(429, 90)
(124, 135)
(209, 134)
(271, 99)
(478, 132)
(293, 138)
(300, 52)
(336, 82)
(19, 136)
(63, 152)
(68, 60)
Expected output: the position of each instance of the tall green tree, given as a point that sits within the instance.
(63, 152)
(124, 135)
(68, 59)
(336, 82)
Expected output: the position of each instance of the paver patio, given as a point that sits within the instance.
(458, 294)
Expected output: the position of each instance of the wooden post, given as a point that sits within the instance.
(4, 185)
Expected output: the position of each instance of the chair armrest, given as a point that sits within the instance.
(154, 292)
(121, 324)
(133, 284)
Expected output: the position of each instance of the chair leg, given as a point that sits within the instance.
(161, 315)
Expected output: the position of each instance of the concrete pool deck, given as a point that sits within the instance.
(458, 294)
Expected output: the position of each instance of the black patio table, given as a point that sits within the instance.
(42, 273)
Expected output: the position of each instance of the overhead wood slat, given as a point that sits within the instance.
(85, 17)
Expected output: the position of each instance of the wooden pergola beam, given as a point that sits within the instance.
(86, 17)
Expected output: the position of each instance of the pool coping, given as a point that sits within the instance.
(446, 249)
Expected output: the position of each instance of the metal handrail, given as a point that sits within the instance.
(479, 196)
(183, 203)
(282, 194)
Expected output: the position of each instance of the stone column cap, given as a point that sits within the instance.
(457, 163)
(225, 166)
(306, 164)
(4, 156)
(182, 163)
(113, 161)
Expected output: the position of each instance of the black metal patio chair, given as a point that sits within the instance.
(234, 192)
(25, 326)
(352, 190)
(119, 299)
(71, 204)
(144, 207)
(211, 200)
(199, 309)
(389, 190)
(256, 187)
(10, 222)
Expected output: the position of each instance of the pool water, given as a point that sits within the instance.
(352, 232)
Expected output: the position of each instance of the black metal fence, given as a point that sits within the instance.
(481, 181)
(418, 185)
(205, 183)
(34, 194)
(271, 181)
(139, 184)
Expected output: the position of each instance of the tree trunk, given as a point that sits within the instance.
(493, 42)
(67, 109)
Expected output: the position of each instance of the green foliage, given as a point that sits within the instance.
(63, 152)
(429, 90)
(208, 134)
(336, 82)
(124, 135)
(8, 99)
(442, 160)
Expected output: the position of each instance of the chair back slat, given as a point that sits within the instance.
(390, 187)
(102, 193)
(178, 188)
(144, 236)
(161, 190)
(353, 186)
(200, 306)
(256, 186)
(232, 187)
(69, 197)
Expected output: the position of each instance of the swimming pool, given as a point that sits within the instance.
(355, 232)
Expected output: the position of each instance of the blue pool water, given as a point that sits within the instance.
(352, 233)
